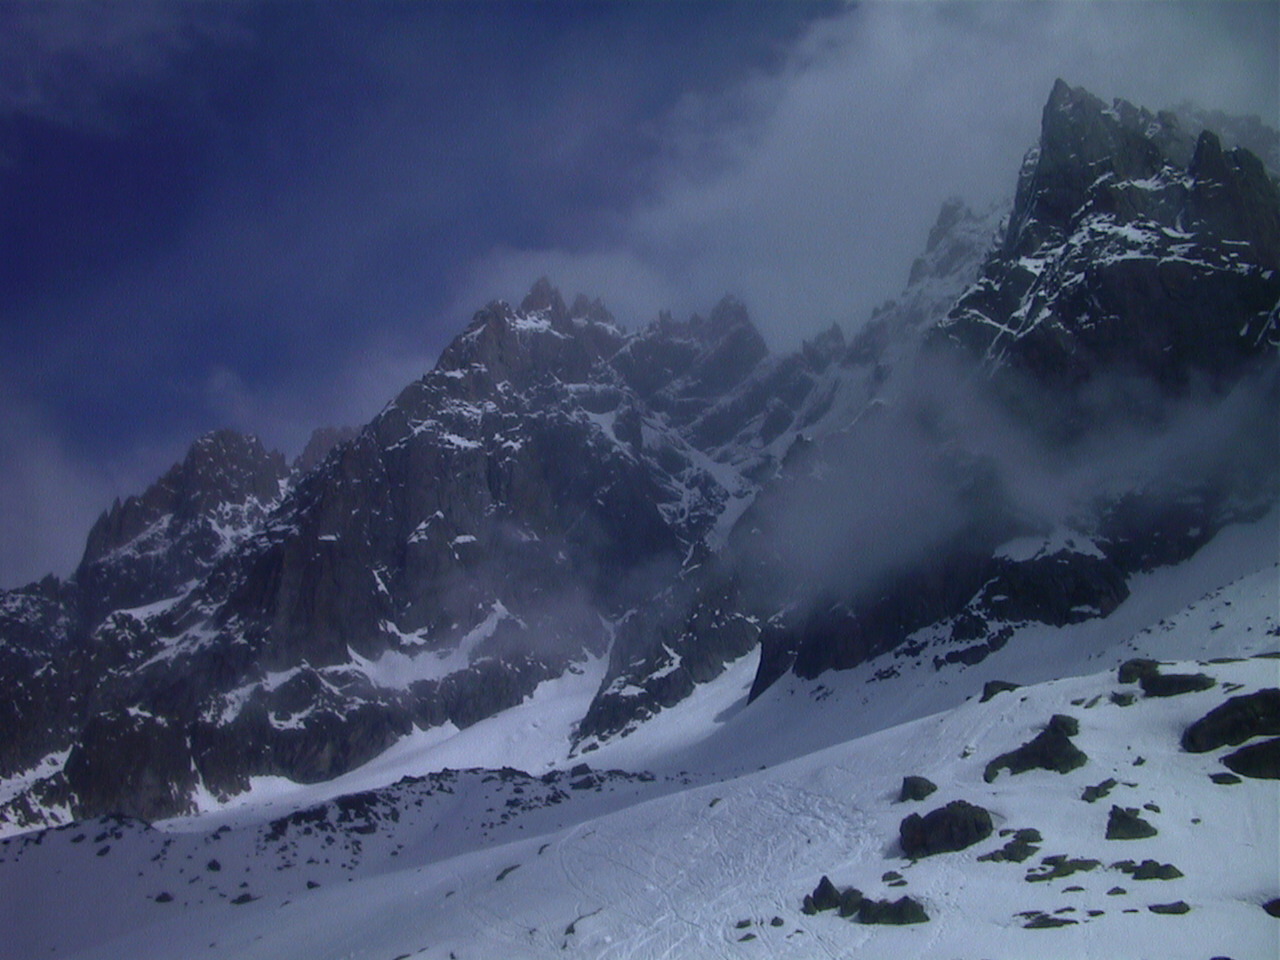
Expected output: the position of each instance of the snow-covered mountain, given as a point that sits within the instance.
(617, 642)
(635, 856)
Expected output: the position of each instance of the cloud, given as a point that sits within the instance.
(69, 62)
(357, 182)
(942, 466)
(807, 192)
(284, 418)
(49, 499)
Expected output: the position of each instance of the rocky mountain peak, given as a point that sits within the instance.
(696, 358)
(319, 446)
(1128, 251)
(1232, 198)
(543, 297)
(591, 310)
(539, 341)
(733, 345)
(226, 467)
(954, 209)
(820, 350)
(145, 548)
(957, 240)
(1081, 139)
(1250, 132)
(222, 468)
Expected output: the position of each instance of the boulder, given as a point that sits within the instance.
(1098, 790)
(1260, 761)
(1020, 846)
(825, 896)
(897, 912)
(1123, 823)
(1174, 684)
(850, 902)
(1051, 749)
(915, 788)
(1235, 721)
(958, 825)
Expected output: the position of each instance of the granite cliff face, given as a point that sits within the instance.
(559, 492)
(493, 526)
(1134, 249)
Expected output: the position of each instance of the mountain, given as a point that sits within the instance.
(1099, 390)
(805, 784)
(1126, 249)
(569, 542)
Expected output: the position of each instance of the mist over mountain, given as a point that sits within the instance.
(1071, 396)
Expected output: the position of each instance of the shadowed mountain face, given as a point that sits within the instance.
(1056, 401)
(1135, 249)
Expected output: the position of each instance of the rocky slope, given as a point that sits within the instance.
(1146, 842)
(558, 491)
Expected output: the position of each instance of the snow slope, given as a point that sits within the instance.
(500, 863)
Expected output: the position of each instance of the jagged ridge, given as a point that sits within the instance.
(557, 488)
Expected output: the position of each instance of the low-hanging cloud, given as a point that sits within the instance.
(941, 464)
(828, 174)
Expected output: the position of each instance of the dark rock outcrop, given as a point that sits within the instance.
(1148, 870)
(898, 912)
(1123, 823)
(958, 825)
(1261, 761)
(1235, 721)
(1051, 749)
(1158, 684)
(915, 788)
(1065, 587)
(130, 763)
(1060, 865)
(1097, 791)
(1132, 671)
(993, 687)
(1021, 846)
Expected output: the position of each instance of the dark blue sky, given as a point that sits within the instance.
(292, 177)
(273, 216)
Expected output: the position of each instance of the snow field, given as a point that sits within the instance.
(677, 875)
(800, 784)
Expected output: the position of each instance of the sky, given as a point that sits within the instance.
(274, 216)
